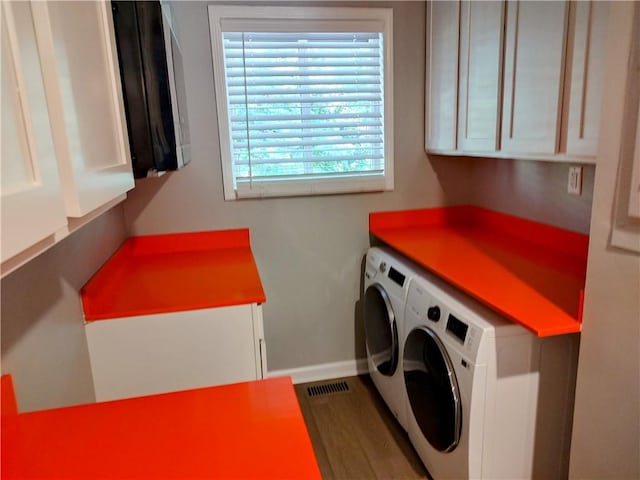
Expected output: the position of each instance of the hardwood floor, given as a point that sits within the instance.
(355, 436)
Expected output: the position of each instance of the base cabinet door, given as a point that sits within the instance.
(166, 352)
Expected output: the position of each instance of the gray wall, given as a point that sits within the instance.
(43, 342)
(534, 190)
(308, 249)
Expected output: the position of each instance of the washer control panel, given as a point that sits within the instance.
(457, 328)
(381, 267)
(428, 305)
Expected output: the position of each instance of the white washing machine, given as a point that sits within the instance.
(486, 398)
(386, 283)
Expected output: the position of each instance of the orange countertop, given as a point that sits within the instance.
(533, 274)
(247, 430)
(174, 272)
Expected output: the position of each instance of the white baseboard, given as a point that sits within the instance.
(325, 371)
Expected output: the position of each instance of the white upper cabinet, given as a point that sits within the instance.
(481, 40)
(443, 33)
(84, 95)
(32, 202)
(589, 36)
(527, 77)
(621, 144)
(65, 148)
(533, 76)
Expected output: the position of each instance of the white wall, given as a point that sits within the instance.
(309, 249)
(43, 342)
(606, 429)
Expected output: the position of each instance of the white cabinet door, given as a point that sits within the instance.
(441, 96)
(32, 202)
(625, 228)
(533, 76)
(587, 74)
(481, 40)
(82, 82)
(166, 352)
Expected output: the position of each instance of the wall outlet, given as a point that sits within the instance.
(574, 185)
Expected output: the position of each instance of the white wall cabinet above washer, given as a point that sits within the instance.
(528, 80)
(625, 231)
(443, 33)
(481, 45)
(533, 76)
(588, 37)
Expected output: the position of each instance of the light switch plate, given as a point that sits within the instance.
(574, 184)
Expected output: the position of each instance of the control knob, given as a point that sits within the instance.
(433, 313)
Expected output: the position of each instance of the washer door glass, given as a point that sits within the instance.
(432, 389)
(380, 330)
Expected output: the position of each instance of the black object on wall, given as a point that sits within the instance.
(153, 87)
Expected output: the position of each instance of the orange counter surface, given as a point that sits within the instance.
(251, 430)
(531, 273)
(174, 272)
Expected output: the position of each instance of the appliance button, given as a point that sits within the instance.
(433, 313)
(383, 267)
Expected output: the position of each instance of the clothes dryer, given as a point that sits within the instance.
(486, 398)
(386, 281)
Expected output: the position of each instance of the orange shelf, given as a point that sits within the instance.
(531, 273)
(174, 272)
(246, 430)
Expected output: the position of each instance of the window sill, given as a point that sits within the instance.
(296, 188)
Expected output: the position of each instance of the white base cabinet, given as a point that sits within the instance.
(167, 352)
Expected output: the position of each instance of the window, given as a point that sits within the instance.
(304, 99)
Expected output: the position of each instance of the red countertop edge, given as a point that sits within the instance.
(560, 241)
(226, 242)
(8, 404)
(229, 431)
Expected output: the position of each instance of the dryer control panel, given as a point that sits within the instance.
(429, 306)
(457, 328)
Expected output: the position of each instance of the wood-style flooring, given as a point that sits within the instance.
(355, 436)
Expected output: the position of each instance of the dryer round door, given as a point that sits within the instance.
(380, 329)
(432, 389)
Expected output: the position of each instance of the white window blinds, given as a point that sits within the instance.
(305, 108)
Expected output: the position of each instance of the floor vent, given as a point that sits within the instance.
(327, 389)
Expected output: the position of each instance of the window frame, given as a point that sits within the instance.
(225, 18)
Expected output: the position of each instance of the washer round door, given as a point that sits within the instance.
(432, 389)
(380, 330)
